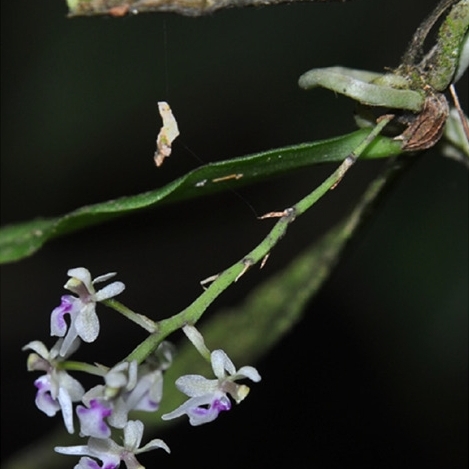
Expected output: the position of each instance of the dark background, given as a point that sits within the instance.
(376, 374)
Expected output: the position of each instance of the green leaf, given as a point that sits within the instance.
(24, 239)
(363, 86)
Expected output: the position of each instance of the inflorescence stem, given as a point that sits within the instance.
(194, 311)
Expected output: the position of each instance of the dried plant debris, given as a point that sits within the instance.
(427, 127)
(167, 134)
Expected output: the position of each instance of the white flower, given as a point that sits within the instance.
(56, 389)
(208, 397)
(110, 453)
(84, 321)
(127, 387)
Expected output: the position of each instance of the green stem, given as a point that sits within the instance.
(444, 60)
(193, 312)
(84, 367)
(138, 319)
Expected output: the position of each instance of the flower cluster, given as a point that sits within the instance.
(125, 387)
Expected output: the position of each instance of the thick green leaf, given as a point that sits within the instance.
(21, 240)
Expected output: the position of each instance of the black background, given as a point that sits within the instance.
(376, 374)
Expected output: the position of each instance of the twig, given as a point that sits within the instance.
(457, 105)
(182, 7)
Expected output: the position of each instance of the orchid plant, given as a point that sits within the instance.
(401, 112)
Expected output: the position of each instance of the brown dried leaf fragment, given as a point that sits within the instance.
(283, 213)
(167, 134)
(119, 10)
(427, 128)
(227, 178)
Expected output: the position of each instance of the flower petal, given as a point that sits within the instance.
(196, 409)
(109, 291)
(92, 419)
(120, 413)
(44, 400)
(147, 393)
(87, 463)
(196, 385)
(83, 275)
(38, 347)
(58, 325)
(104, 277)
(71, 385)
(87, 323)
(248, 372)
(200, 415)
(105, 449)
(119, 375)
(154, 444)
(133, 432)
(67, 409)
(221, 362)
(73, 450)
